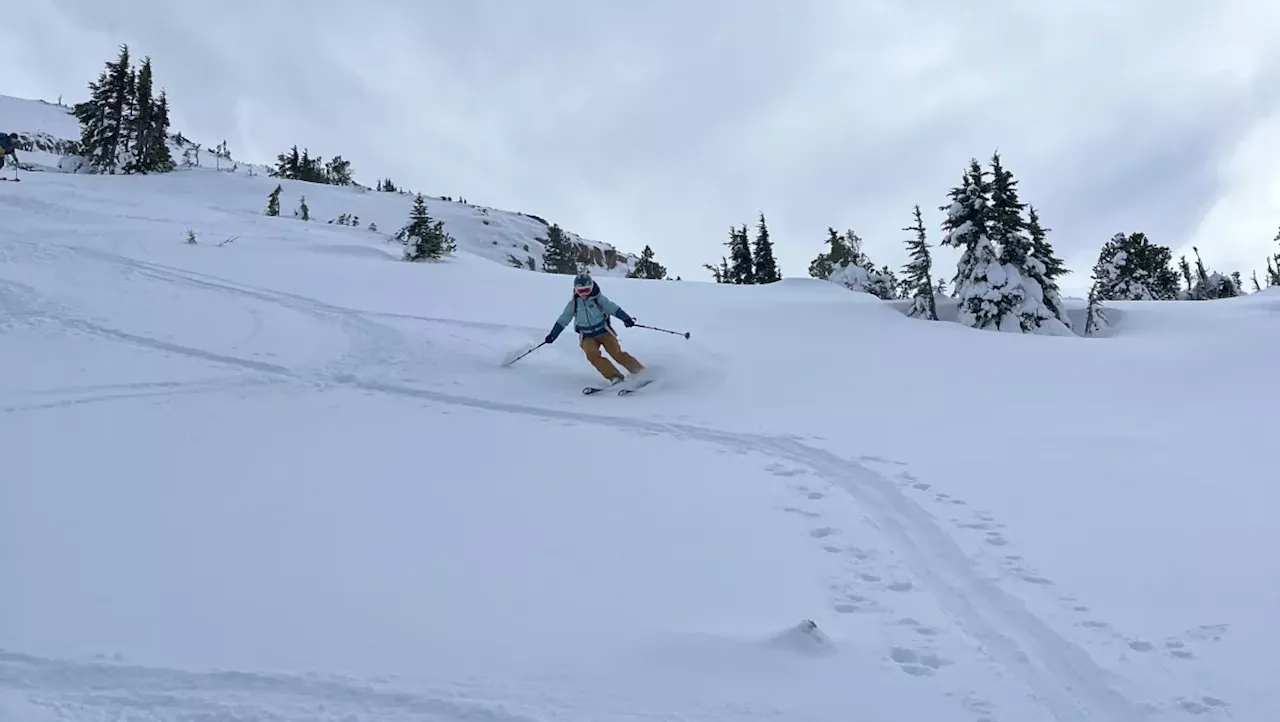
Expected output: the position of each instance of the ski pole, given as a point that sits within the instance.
(526, 353)
(655, 328)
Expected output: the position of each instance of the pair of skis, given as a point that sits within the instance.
(626, 391)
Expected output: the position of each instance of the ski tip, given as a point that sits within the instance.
(633, 389)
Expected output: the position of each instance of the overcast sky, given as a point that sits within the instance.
(665, 122)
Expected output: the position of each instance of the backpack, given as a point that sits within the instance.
(608, 322)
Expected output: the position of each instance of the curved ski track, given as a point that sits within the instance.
(1062, 678)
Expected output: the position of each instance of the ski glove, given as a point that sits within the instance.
(555, 331)
(626, 318)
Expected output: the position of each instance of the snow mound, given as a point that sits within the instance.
(803, 638)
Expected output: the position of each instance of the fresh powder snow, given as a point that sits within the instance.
(281, 474)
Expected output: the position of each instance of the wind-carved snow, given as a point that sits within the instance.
(256, 482)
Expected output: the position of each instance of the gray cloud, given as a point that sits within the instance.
(667, 122)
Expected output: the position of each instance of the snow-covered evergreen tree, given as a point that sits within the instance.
(1054, 267)
(1023, 293)
(424, 237)
(836, 256)
(1095, 317)
(273, 202)
(1209, 285)
(559, 254)
(718, 273)
(338, 171)
(141, 126)
(988, 295)
(105, 116)
(764, 265)
(1273, 267)
(1185, 269)
(865, 278)
(966, 221)
(741, 270)
(156, 158)
(856, 272)
(124, 126)
(1136, 270)
(917, 279)
(647, 267)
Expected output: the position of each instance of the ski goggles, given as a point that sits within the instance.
(582, 290)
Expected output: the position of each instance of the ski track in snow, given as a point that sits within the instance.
(110, 691)
(903, 556)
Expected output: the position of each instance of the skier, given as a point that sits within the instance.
(590, 310)
(7, 148)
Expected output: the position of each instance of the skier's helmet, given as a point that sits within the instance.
(583, 284)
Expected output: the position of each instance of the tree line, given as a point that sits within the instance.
(1008, 273)
(124, 125)
(124, 128)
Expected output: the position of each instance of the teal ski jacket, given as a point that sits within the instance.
(590, 315)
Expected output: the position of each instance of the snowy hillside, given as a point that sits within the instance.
(286, 478)
(49, 142)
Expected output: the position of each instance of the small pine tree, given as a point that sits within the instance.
(1054, 267)
(1095, 316)
(740, 262)
(837, 255)
(857, 272)
(716, 273)
(1273, 267)
(1008, 231)
(107, 117)
(338, 171)
(304, 212)
(1256, 286)
(424, 237)
(273, 201)
(648, 268)
(917, 279)
(1184, 268)
(765, 266)
(1211, 285)
(982, 284)
(1137, 270)
(560, 255)
(221, 153)
(1029, 294)
(967, 220)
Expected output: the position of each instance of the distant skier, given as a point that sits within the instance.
(590, 310)
(8, 147)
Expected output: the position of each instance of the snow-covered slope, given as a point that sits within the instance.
(49, 142)
(286, 478)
